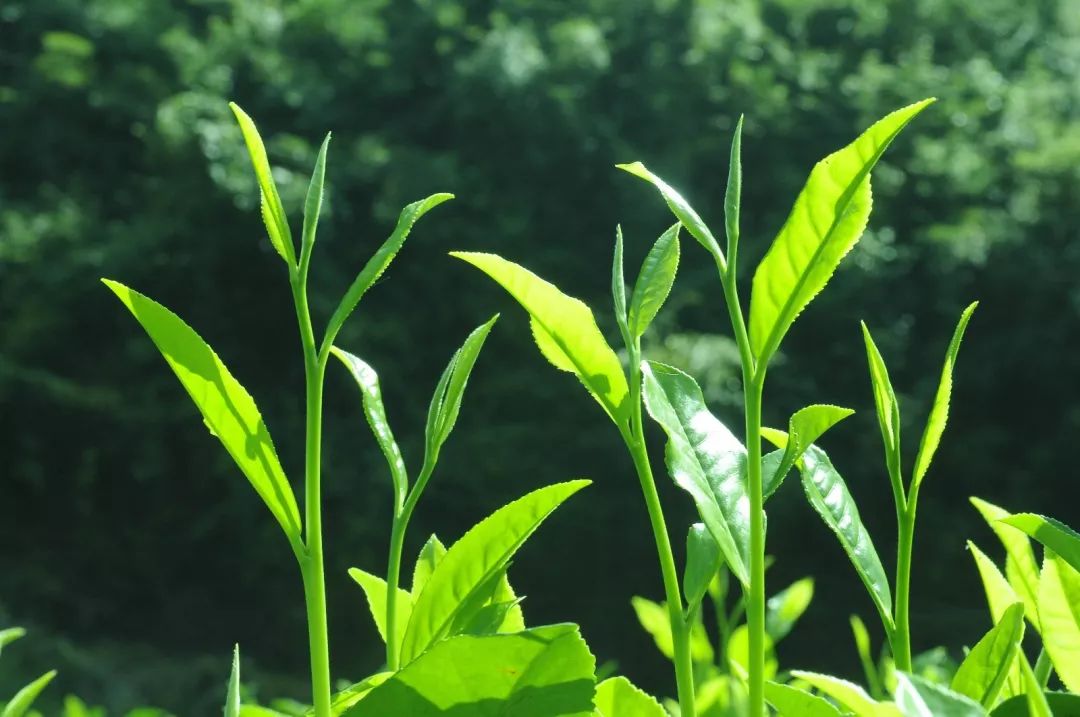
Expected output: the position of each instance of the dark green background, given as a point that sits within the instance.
(137, 552)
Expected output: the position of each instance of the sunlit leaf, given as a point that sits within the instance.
(983, 672)
(314, 199)
(1021, 568)
(375, 591)
(22, 701)
(277, 224)
(849, 695)
(917, 697)
(792, 702)
(1059, 613)
(785, 608)
(654, 281)
(1054, 534)
(618, 697)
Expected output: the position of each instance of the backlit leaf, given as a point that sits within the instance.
(849, 695)
(917, 697)
(983, 672)
(618, 697)
(1021, 568)
(785, 608)
(792, 702)
(1054, 534)
(1059, 613)
(22, 701)
(277, 224)
(375, 591)
(654, 281)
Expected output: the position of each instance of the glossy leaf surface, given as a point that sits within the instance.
(1054, 534)
(983, 672)
(792, 702)
(828, 217)
(679, 207)
(917, 697)
(939, 411)
(654, 282)
(704, 458)
(543, 672)
(829, 496)
(702, 563)
(1059, 612)
(481, 554)
(804, 428)
(277, 224)
(378, 263)
(618, 697)
(565, 331)
(375, 591)
(227, 408)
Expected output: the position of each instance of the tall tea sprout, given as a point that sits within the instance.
(229, 411)
(826, 221)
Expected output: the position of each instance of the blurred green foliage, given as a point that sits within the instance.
(128, 530)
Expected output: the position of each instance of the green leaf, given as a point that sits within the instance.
(1061, 704)
(1037, 704)
(702, 563)
(793, 702)
(227, 408)
(827, 219)
(738, 654)
(618, 288)
(983, 672)
(939, 412)
(618, 697)
(654, 281)
(1054, 534)
(804, 428)
(232, 693)
(543, 672)
(481, 553)
(862, 646)
(277, 224)
(371, 394)
(9, 636)
(24, 698)
(999, 594)
(346, 698)
(704, 458)
(679, 207)
(917, 697)
(377, 264)
(375, 590)
(565, 332)
(313, 200)
(430, 556)
(1059, 613)
(655, 619)
(848, 694)
(888, 408)
(829, 496)
(446, 401)
(1021, 568)
(733, 193)
(785, 608)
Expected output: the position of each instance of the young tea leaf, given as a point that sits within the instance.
(1059, 613)
(1021, 568)
(227, 408)
(829, 496)
(1054, 534)
(702, 563)
(375, 591)
(654, 618)
(849, 695)
(917, 697)
(654, 281)
(618, 288)
(618, 697)
(792, 702)
(430, 555)
(888, 408)
(10, 635)
(314, 199)
(232, 692)
(738, 654)
(565, 331)
(939, 412)
(543, 672)
(804, 428)
(277, 224)
(785, 608)
(983, 672)
(827, 219)
(481, 553)
(22, 701)
(733, 193)
(378, 263)
(862, 646)
(704, 459)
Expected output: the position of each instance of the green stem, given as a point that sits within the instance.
(900, 639)
(755, 607)
(1042, 668)
(680, 626)
(311, 564)
(403, 510)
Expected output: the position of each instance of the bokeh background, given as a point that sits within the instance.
(138, 555)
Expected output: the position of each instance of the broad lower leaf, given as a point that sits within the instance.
(704, 458)
(565, 332)
(377, 264)
(702, 563)
(654, 281)
(232, 693)
(371, 394)
(314, 199)
(1054, 534)
(618, 697)
(483, 552)
(430, 556)
(917, 697)
(983, 672)
(804, 428)
(1059, 613)
(22, 701)
(849, 695)
(827, 219)
(656, 620)
(888, 408)
(277, 224)
(1061, 704)
(785, 608)
(1021, 568)
(679, 207)
(227, 408)
(375, 591)
(939, 411)
(829, 496)
(446, 402)
(618, 288)
(543, 672)
(792, 702)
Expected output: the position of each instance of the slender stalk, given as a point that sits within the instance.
(900, 640)
(755, 606)
(403, 510)
(311, 565)
(680, 626)
(1042, 668)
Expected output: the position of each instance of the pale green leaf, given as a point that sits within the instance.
(227, 408)
(377, 264)
(804, 428)
(702, 563)
(792, 702)
(472, 561)
(618, 287)
(704, 458)
(999, 597)
(618, 697)
(983, 672)
(888, 408)
(1054, 534)
(1037, 704)
(849, 695)
(917, 697)
(232, 693)
(785, 608)
(939, 411)
(314, 199)
(10, 635)
(375, 591)
(827, 219)
(862, 647)
(656, 620)
(277, 224)
(543, 672)
(738, 654)
(22, 701)
(565, 331)
(1021, 568)
(430, 556)
(1059, 613)
(654, 281)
